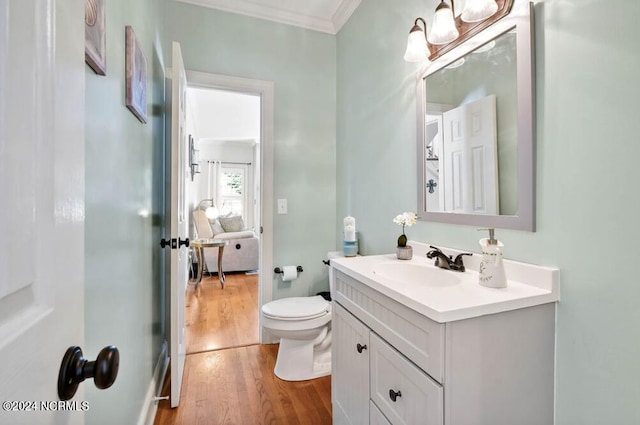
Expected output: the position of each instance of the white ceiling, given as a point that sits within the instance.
(319, 15)
(220, 115)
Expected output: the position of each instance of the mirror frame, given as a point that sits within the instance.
(522, 20)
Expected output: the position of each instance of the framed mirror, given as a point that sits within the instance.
(475, 138)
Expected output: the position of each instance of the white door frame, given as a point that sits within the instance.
(264, 89)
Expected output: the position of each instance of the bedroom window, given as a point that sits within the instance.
(232, 190)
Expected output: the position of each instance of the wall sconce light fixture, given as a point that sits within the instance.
(443, 26)
(417, 48)
(449, 30)
(194, 160)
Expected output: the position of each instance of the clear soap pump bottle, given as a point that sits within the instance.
(491, 272)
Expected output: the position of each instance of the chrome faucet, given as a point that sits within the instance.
(445, 261)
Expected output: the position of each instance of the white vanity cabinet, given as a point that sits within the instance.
(393, 365)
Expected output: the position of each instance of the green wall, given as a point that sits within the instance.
(302, 65)
(124, 279)
(588, 96)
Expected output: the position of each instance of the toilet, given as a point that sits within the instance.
(303, 325)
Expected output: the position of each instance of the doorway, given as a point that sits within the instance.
(231, 120)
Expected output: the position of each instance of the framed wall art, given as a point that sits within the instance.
(136, 76)
(95, 50)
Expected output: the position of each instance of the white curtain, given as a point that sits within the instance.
(213, 178)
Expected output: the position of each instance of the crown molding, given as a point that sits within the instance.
(329, 24)
(344, 12)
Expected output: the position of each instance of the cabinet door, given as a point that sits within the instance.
(403, 393)
(350, 368)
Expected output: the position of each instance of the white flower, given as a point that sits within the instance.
(406, 219)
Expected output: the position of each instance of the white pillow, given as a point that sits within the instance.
(216, 227)
(232, 224)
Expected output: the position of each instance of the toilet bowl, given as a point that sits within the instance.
(303, 325)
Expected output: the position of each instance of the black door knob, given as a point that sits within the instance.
(165, 243)
(393, 395)
(75, 369)
(183, 242)
(361, 347)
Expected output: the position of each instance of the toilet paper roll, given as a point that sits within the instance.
(289, 273)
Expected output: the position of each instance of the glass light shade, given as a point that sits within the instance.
(417, 49)
(443, 28)
(478, 10)
(211, 212)
(456, 64)
(485, 47)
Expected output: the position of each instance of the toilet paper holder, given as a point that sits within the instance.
(278, 270)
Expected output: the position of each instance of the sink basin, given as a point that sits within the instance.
(419, 274)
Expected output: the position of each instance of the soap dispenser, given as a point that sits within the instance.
(491, 272)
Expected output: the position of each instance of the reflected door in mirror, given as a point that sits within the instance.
(469, 158)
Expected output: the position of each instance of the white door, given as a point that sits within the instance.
(41, 204)
(179, 225)
(471, 158)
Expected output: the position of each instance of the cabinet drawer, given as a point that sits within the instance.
(402, 392)
(377, 418)
(416, 336)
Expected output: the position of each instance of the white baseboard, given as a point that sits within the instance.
(150, 406)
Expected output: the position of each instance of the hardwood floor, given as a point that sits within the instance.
(222, 318)
(236, 385)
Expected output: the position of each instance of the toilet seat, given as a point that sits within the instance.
(297, 308)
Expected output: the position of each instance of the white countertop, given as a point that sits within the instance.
(528, 285)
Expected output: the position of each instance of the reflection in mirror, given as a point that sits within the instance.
(475, 130)
(471, 156)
